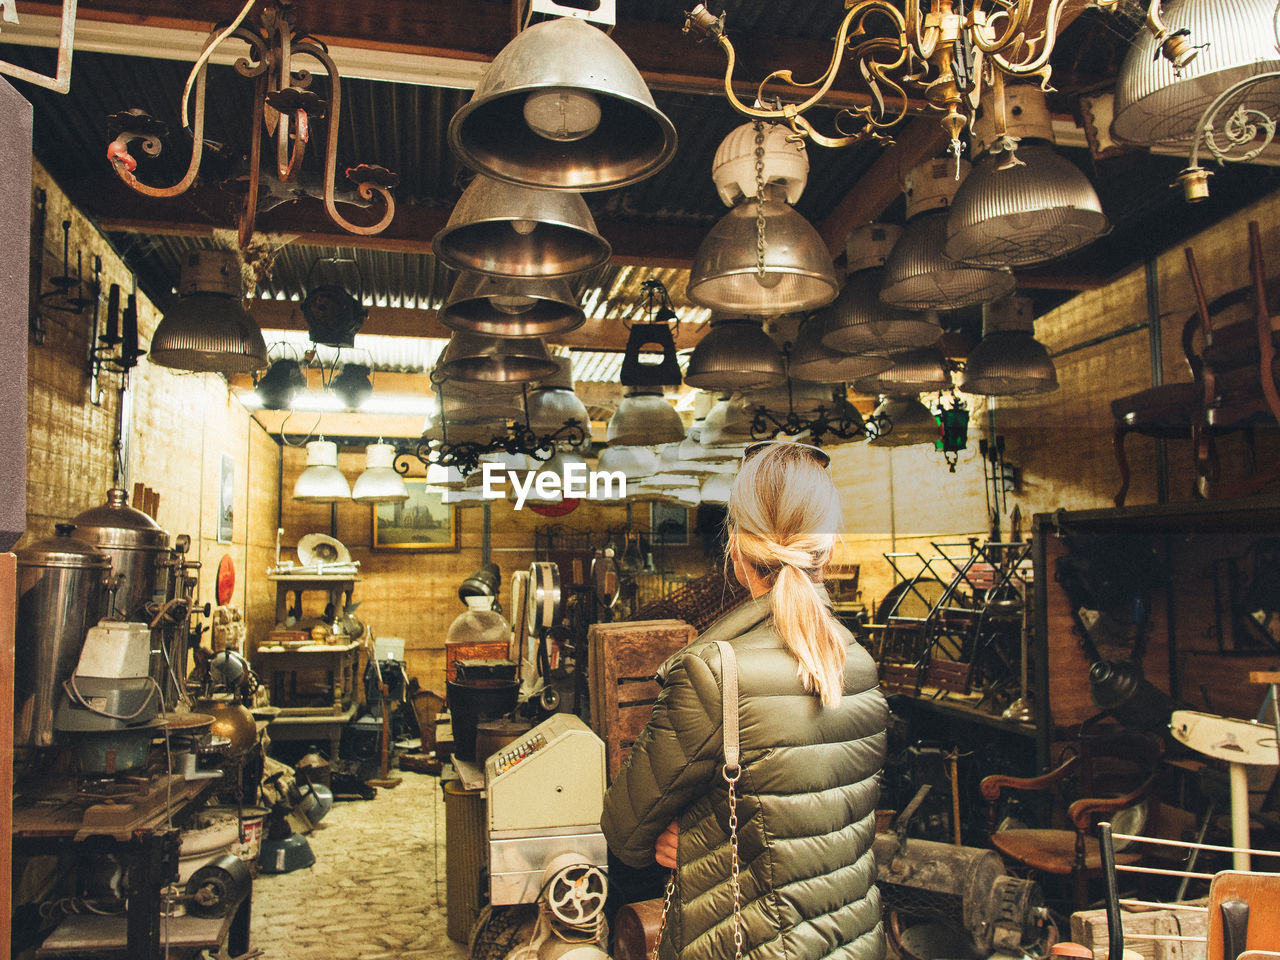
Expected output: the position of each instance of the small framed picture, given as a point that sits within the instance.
(424, 522)
(669, 524)
(226, 497)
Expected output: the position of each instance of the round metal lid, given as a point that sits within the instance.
(116, 524)
(62, 550)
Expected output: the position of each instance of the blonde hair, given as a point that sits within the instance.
(784, 514)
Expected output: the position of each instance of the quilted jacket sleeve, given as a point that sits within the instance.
(674, 760)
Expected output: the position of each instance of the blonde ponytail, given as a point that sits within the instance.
(784, 511)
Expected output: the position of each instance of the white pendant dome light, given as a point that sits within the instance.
(785, 162)
(321, 481)
(380, 483)
(727, 424)
(644, 419)
(1156, 102)
(552, 403)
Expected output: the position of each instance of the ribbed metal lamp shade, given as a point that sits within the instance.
(1009, 361)
(511, 307)
(507, 230)
(644, 419)
(471, 356)
(321, 481)
(208, 331)
(735, 354)
(911, 423)
(799, 274)
(1153, 105)
(1035, 211)
(916, 371)
(919, 275)
(859, 322)
(379, 483)
(562, 108)
(812, 360)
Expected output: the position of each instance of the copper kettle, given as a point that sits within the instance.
(231, 720)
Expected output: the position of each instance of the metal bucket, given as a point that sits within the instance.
(470, 701)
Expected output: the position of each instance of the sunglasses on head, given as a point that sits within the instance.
(817, 454)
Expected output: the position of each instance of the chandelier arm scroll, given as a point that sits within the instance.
(1016, 26)
(366, 189)
(249, 212)
(124, 164)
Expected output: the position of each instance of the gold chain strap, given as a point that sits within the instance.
(731, 771)
(760, 249)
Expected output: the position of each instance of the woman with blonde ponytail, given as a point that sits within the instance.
(812, 735)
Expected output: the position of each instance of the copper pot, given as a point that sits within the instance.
(231, 720)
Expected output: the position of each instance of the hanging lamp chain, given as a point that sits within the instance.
(760, 248)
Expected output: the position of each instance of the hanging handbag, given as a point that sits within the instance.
(731, 770)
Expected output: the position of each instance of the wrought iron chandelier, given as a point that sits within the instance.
(284, 104)
(946, 52)
(834, 417)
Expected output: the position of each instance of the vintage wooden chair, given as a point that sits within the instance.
(1109, 774)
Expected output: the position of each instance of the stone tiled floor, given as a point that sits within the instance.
(376, 890)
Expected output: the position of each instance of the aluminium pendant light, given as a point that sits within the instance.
(918, 274)
(812, 360)
(505, 230)
(1022, 203)
(379, 483)
(511, 307)
(735, 354)
(644, 419)
(923, 370)
(1227, 41)
(208, 330)
(321, 481)
(562, 108)
(1009, 361)
(474, 357)
(859, 322)
(552, 403)
(911, 423)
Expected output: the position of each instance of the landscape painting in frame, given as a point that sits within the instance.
(423, 522)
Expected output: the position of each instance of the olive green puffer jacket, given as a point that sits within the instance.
(806, 808)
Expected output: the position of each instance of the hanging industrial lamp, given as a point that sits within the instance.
(911, 423)
(562, 108)
(511, 307)
(735, 354)
(923, 370)
(321, 481)
(1191, 52)
(352, 385)
(812, 360)
(552, 403)
(472, 356)
(281, 383)
(209, 331)
(507, 230)
(1009, 361)
(1022, 203)
(644, 419)
(379, 483)
(727, 424)
(918, 274)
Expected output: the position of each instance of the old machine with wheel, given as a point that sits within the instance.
(545, 796)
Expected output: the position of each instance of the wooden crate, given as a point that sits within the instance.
(1089, 929)
(623, 658)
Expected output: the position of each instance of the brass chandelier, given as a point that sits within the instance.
(946, 52)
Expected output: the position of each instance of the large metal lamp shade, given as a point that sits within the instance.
(798, 272)
(507, 230)
(1234, 39)
(321, 481)
(1009, 361)
(379, 483)
(562, 108)
(644, 419)
(911, 423)
(208, 330)
(812, 360)
(923, 370)
(735, 354)
(511, 307)
(553, 403)
(471, 356)
(920, 276)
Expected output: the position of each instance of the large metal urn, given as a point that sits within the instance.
(61, 593)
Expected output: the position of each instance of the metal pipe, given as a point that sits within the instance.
(1155, 340)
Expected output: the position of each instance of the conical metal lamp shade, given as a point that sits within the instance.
(799, 274)
(860, 322)
(1009, 361)
(1035, 211)
(915, 371)
(379, 483)
(599, 126)
(321, 481)
(919, 276)
(208, 331)
(811, 360)
(735, 354)
(470, 356)
(510, 307)
(911, 423)
(506, 230)
(644, 419)
(1156, 104)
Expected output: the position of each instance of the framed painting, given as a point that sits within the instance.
(226, 497)
(669, 524)
(424, 522)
